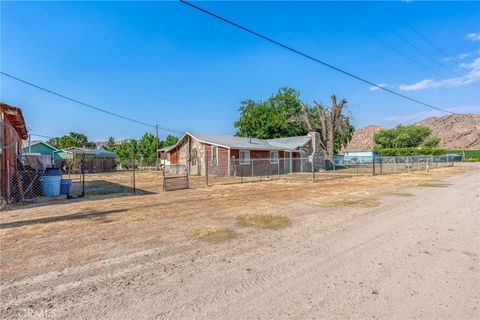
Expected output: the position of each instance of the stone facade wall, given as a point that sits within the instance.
(314, 151)
(191, 153)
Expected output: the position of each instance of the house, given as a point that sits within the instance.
(38, 151)
(38, 147)
(229, 156)
(12, 131)
(92, 159)
(359, 156)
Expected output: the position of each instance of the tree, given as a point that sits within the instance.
(334, 128)
(124, 153)
(412, 136)
(169, 141)
(147, 148)
(275, 117)
(74, 139)
(284, 115)
(110, 144)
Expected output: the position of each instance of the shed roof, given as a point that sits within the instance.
(77, 150)
(32, 143)
(16, 116)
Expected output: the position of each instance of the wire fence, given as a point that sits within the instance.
(36, 179)
(300, 168)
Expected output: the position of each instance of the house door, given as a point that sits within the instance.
(287, 163)
(174, 157)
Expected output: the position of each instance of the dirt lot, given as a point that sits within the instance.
(400, 246)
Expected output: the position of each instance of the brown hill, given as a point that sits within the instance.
(458, 131)
(362, 139)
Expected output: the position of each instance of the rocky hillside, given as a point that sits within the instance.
(458, 131)
(363, 139)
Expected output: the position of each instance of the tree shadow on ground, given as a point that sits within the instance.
(67, 217)
(94, 190)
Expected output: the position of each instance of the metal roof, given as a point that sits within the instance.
(25, 144)
(289, 143)
(232, 142)
(77, 150)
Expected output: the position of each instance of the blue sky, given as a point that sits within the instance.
(165, 63)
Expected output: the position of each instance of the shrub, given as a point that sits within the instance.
(400, 152)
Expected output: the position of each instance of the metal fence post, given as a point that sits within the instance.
(251, 163)
(373, 165)
(313, 172)
(82, 174)
(133, 172)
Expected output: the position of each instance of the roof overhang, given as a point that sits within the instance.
(16, 116)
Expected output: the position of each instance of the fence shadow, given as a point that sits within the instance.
(105, 188)
(68, 217)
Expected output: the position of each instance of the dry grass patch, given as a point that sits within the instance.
(213, 235)
(364, 202)
(400, 194)
(263, 221)
(433, 184)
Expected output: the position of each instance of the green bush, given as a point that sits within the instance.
(400, 152)
(469, 154)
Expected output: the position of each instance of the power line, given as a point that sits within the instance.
(310, 57)
(85, 104)
(393, 13)
(404, 39)
(41, 136)
(383, 42)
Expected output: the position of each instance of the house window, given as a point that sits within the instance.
(244, 156)
(273, 157)
(214, 156)
(194, 157)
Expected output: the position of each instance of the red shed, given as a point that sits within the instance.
(12, 131)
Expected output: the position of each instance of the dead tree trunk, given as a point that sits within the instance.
(329, 122)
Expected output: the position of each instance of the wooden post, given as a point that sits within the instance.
(133, 172)
(156, 146)
(206, 167)
(19, 180)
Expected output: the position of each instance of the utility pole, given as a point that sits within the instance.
(156, 146)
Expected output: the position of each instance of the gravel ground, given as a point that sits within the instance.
(391, 247)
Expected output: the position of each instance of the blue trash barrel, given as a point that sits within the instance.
(65, 185)
(51, 182)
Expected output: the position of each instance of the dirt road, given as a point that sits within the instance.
(410, 257)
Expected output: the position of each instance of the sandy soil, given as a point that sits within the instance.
(396, 247)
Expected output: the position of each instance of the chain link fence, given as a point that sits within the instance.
(35, 179)
(298, 169)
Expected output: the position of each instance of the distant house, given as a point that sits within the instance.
(12, 131)
(228, 155)
(359, 156)
(39, 147)
(92, 159)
